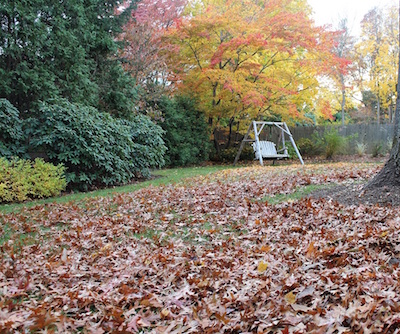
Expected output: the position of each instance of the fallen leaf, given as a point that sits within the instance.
(265, 248)
(290, 297)
(64, 255)
(306, 292)
(165, 312)
(262, 267)
(311, 250)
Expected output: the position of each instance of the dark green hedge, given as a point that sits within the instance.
(11, 132)
(97, 149)
(187, 134)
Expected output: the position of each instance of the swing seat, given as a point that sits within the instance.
(268, 150)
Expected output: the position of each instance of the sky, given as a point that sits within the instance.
(330, 11)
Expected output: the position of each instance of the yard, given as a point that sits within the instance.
(243, 250)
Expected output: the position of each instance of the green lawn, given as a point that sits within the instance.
(160, 177)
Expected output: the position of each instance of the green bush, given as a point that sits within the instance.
(377, 149)
(229, 154)
(97, 149)
(361, 148)
(330, 143)
(334, 143)
(389, 145)
(11, 133)
(308, 147)
(24, 179)
(187, 135)
(291, 151)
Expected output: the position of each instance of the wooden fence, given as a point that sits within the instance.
(368, 134)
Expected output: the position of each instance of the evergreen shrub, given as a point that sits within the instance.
(334, 143)
(377, 149)
(291, 151)
(97, 149)
(229, 154)
(187, 134)
(11, 132)
(330, 143)
(308, 147)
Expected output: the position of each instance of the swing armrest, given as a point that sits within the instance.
(282, 150)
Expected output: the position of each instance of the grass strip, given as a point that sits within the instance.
(161, 177)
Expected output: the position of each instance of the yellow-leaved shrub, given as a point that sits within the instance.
(21, 180)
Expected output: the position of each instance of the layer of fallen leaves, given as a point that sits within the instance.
(205, 256)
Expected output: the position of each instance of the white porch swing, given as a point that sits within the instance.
(266, 149)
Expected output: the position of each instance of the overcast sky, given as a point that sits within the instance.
(330, 11)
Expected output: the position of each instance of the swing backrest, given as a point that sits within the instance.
(267, 148)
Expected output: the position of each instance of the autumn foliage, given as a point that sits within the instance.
(217, 254)
(143, 51)
(251, 59)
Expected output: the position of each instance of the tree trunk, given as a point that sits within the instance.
(343, 104)
(216, 143)
(378, 112)
(390, 173)
(228, 144)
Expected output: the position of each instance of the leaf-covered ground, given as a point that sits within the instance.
(239, 251)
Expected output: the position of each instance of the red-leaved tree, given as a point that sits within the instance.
(143, 52)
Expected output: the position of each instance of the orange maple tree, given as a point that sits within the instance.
(251, 59)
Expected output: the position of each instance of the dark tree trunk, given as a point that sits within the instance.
(216, 143)
(343, 103)
(378, 112)
(228, 143)
(390, 173)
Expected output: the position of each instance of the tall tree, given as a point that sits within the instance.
(391, 23)
(251, 59)
(378, 52)
(143, 52)
(390, 173)
(63, 49)
(343, 49)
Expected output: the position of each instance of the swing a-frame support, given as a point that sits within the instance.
(267, 149)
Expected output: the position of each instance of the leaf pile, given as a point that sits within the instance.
(205, 256)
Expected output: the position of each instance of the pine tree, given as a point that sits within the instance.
(51, 49)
